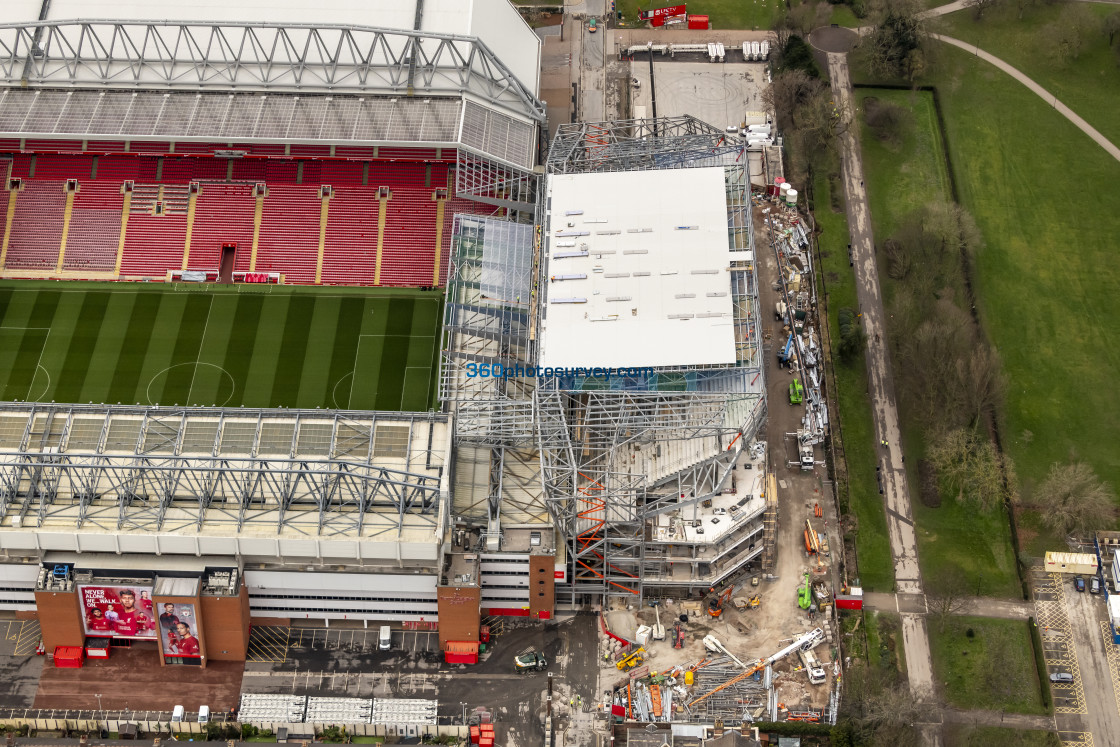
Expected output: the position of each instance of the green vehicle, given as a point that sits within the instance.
(805, 594)
(530, 662)
(796, 393)
(592, 25)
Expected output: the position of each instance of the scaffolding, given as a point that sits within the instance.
(560, 450)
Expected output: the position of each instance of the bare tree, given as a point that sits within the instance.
(947, 596)
(899, 30)
(807, 16)
(1110, 27)
(786, 94)
(1073, 500)
(1065, 38)
(969, 465)
(879, 708)
(982, 381)
(979, 7)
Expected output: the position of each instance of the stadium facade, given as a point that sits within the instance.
(552, 485)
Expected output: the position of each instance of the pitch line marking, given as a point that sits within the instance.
(198, 353)
(232, 381)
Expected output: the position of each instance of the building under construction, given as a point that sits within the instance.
(605, 369)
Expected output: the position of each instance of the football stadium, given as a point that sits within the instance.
(259, 268)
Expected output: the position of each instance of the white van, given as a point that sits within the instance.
(204, 714)
(385, 640)
(177, 714)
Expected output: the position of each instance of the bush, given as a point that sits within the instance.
(887, 120)
(798, 56)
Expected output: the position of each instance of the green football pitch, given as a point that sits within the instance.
(252, 346)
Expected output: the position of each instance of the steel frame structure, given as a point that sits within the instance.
(640, 145)
(259, 56)
(583, 437)
(61, 469)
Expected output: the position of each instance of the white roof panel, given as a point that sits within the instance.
(495, 22)
(395, 15)
(639, 270)
(16, 11)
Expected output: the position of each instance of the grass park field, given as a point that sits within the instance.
(992, 668)
(252, 346)
(740, 14)
(900, 179)
(1089, 84)
(1047, 283)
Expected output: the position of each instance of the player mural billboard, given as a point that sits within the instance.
(123, 611)
(179, 631)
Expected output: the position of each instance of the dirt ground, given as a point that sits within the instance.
(131, 678)
(758, 633)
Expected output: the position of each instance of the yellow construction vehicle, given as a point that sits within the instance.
(633, 660)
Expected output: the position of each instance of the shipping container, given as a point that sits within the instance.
(1071, 562)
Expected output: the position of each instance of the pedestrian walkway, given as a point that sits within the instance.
(1041, 92)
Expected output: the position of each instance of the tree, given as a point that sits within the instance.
(1073, 500)
(887, 120)
(807, 16)
(880, 709)
(785, 95)
(1065, 38)
(852, 337)
(980, 6)
(797, 55)
(947, 596)
(899, 31)
(968, 465)
(1111, 26)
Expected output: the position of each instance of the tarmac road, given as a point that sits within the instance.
(900, 521)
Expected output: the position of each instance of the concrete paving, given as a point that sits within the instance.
(1086, 613)
(1008, 609)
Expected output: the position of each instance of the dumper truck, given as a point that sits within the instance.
(530, 662)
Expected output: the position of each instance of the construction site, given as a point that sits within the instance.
(748, 635)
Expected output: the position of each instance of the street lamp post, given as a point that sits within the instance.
(464, 705)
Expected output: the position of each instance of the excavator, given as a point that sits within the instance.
(715, 604)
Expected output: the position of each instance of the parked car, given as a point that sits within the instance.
(1079, 583)
(1061, 677)
(1095, 585)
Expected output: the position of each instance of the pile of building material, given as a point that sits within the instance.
(272, 708)
(403, 711)
(339, 710)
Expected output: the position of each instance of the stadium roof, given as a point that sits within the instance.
(496, 22)
(638, 267)
(471, 49)
(213, 472)
(242, 117)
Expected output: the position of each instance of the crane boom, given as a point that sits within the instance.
(808, 639)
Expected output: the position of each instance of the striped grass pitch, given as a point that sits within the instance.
(336, 348)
